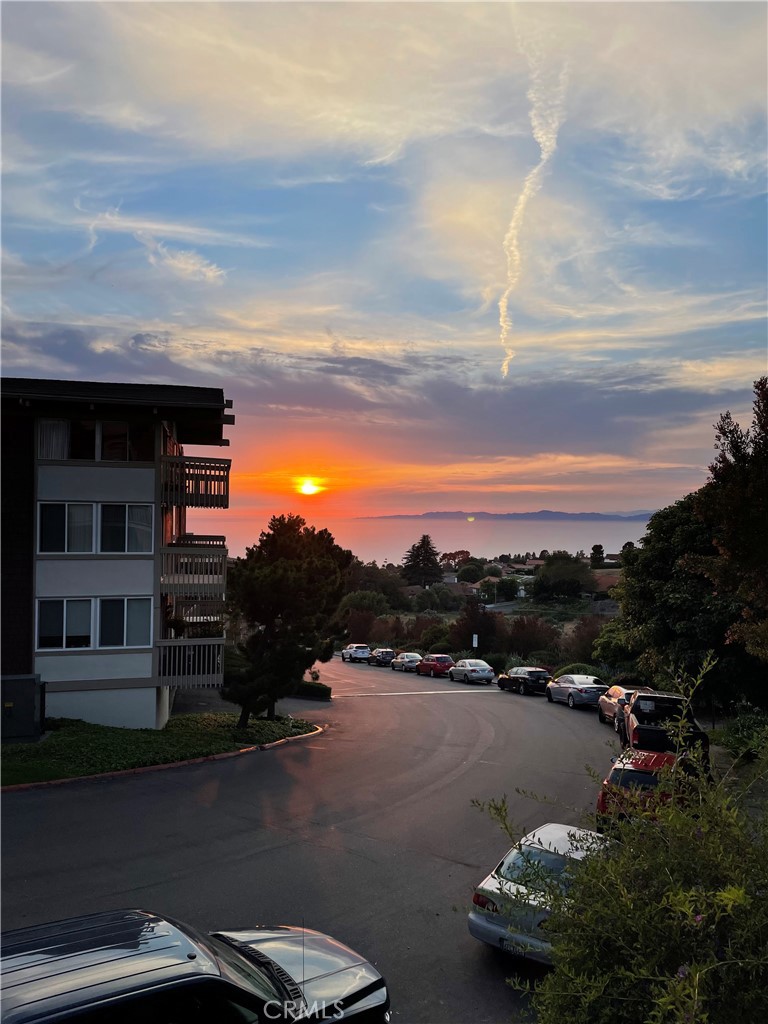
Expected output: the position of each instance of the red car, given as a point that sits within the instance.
(435, 665)
(632, 784)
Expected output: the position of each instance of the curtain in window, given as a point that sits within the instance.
(139, 527)
(53, 439)
(137, 632)
(80, 528)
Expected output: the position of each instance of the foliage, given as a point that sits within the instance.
(666, 922)
(528, 633)
(312, 690)
(507, 588)
(596, 556)
(75, 748)
(733, 505)
(359, 625)
(470, 574)
(474, 619)
(497, 660)
(287, 588)
(493, 570)
(513, 661)
(746, 735)
(577, 668)
(562, 575)
(453, 560)
(436, 633)
(579, 642)
(612, 644)
(364, 600)
(420, 563)
(370, 577)
(671, 614)
(426, 600)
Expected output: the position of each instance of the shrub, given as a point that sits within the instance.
(577, 668)
(746, 735)
(513, 661)
(545, 659)
(497, 660)
(312, 691)
(442, 647)
(529, 633)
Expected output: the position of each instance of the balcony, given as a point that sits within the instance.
(189, 664)
(194, 571)
(191, 482)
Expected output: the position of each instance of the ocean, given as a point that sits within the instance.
(387, 540)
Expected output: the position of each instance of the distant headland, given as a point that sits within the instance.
(543, 515)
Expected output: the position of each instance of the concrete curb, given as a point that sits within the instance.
(317, 731)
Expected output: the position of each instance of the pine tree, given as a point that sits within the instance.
(420, 563)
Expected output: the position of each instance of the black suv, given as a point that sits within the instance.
(124, 966)
(381, 656)
(525, 680)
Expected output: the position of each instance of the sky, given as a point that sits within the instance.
(495, 257)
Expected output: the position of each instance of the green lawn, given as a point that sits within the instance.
(76, 748)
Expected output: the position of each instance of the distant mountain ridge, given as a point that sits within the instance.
(543, 515)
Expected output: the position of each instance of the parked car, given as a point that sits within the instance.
(525, 680)
(632, 784)
(356, 652)
(507, 910)
(576, 691)
(471, 670)
(611, 705)
(122, 966)
(406, 662)
(435, 665)
(655, 721)
(381, 656)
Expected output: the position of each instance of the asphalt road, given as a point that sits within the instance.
(367, 832)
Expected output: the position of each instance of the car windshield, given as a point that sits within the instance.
(530, 864)
(628, 778)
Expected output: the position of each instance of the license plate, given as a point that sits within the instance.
(647, 705)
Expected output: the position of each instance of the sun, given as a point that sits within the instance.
(309, 486)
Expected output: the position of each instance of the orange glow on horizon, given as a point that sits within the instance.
(309, 486)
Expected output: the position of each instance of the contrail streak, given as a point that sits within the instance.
(546, 94)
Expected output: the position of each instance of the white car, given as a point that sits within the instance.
(472, 670)
(356, 652)
(406, 662)
(507, 913)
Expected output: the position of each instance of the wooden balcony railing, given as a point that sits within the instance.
(193, 482)
(188, 664)
(200, 540)
(193, 572)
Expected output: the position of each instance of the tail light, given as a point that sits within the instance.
(602, 802)
(484, 903)
(635, 737)
(581, 689)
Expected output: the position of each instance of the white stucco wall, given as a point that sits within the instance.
(95, 577)
(71, 666)
(130, 709)
(95, 483)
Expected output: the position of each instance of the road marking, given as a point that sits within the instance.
(411, 693)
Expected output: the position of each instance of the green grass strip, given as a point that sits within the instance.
(75, 748)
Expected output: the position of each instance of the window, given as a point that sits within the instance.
(89, 440)
(64, 623)
(65, 527)
(125, 622)
(126, 528)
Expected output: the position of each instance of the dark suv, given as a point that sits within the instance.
(381, 656)
(656, 721)
(125, 966)
(525, 680)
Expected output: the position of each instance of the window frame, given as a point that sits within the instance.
(95, 624)
(132, 431)
(126, 527)
(65, 551)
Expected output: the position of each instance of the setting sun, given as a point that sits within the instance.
(309, 486)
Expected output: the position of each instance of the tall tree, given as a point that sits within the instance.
(597, 556)
(734, 506)
(563, 575)
(421, 563)
(287, 589)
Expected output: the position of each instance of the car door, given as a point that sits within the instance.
(563, 687)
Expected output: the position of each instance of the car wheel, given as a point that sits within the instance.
(616, 725)
(550, 698)
(571, 701)
(466, 678)
(342, 656)
(500, 685)
(600, 716)
(450, 676)
(392, 667)
(521, 688)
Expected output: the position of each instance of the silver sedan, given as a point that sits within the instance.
(576, 690)
(472, 670)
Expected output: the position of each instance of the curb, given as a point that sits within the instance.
(317, 731)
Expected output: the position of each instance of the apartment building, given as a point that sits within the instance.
(105, 594)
